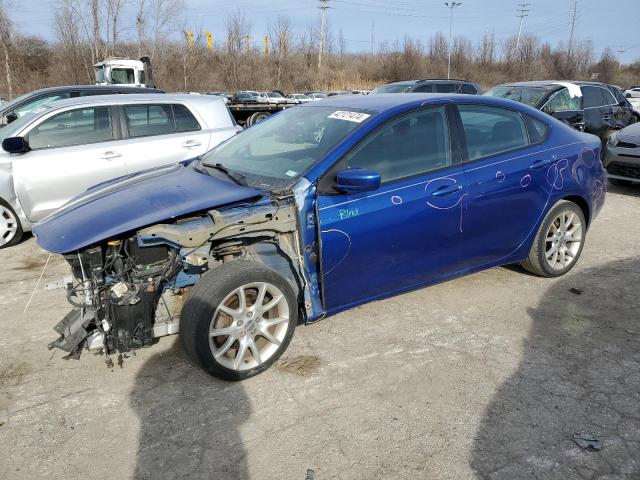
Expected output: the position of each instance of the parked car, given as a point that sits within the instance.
(429, 86)
(622, 156)
(60, 149)
(316, 95)
(270, 97)
(298, 98)
(244, 97)
(633, 92)
(596, 108)
(323, 207)
(16, 108)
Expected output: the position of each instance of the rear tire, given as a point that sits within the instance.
(559, 241)
(10, 227)
(238, 320)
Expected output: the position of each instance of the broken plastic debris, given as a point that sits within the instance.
(587, 442)
(311, 475)
(577, 291)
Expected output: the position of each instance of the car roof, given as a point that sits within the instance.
(553, 83)
(95, 88)
(117, 99)
(427, 80)
(388, 101)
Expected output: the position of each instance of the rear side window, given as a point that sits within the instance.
(492, 130)
(185, 121)
(468, 89)
(592, 97)
(562, 101)
(75, 127)
(149, 120)
(426, 88)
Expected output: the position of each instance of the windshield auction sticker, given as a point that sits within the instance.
(350, 116)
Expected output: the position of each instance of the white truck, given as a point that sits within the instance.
(124, 71)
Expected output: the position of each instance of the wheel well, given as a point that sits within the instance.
(582, 203)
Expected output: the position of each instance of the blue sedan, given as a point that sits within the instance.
(318, 209)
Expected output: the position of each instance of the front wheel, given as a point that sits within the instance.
(559, 241)
(238, 320)
(10, 227)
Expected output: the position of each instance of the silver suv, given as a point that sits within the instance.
(61, 149)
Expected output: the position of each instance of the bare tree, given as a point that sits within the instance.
(6, 39)
(237, 27)
(279, 34)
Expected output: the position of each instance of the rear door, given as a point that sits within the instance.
(159, 134)
(70, 152)
(565, 108)
(506, 168)
(598, 114)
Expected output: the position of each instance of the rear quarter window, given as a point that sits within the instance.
(538, 130)
(185, 121)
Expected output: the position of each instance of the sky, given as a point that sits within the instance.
(388, 20)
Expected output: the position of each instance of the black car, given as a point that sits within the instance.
(622, 156)
(430, 86)
(244, 97)
(593, 107)
(10, 111)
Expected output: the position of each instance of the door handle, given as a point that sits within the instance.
(110, 155)
(540, 164)
(191, 144)
(446, 190)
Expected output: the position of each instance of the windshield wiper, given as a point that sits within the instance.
(237, 177)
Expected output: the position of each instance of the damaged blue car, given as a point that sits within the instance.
(318, 209)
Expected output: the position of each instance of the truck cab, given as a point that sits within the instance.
(122, 71)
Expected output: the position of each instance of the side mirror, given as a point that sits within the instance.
(357, 180)
(15, 145)
(547, 109)
(11, 117)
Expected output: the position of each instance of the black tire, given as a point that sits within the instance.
(17, 237)
(208, 294)
(619, 182)
(536, 261)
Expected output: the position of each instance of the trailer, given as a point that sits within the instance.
(249, 114)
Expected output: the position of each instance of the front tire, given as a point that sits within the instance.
(10, 227)
(559, 241)
(238, 320)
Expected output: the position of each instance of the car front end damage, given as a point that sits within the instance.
(127, 291)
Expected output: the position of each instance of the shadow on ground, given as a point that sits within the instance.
(632, 190)
(580, 372)
(189, 421)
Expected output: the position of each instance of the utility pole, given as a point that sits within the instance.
(621, 53)
(523, 11)
(574, 17)
(451, 6)
(373, 27)
(323, 21)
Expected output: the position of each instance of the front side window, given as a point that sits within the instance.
(75, 127)
(592, 97)
(446, 88)
(393, 88)
(149, 120)
(410, 145)
(468, 89)
(27, 107)
(492, 130)
(424, 88)
(278, 150)
(562, 101)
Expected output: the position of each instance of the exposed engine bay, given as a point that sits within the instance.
(127, 292)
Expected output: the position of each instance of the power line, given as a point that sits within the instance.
(523, 11)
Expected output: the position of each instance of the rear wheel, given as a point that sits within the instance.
(559, 241)
(10, 227)
(238, 320)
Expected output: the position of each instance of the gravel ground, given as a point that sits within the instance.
(487, 376)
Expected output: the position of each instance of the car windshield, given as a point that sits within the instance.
(393, 88)
(275, 152)
(14, 127)
(529, 95)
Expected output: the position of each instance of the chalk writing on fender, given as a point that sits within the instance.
(345, 213)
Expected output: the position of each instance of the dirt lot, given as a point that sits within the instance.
(488, 376)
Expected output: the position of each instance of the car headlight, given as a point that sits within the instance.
(612, 141)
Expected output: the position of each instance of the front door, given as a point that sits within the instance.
(408, 231)
(70, 152)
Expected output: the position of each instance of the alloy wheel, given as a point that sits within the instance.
(563, 240)
(248, 326)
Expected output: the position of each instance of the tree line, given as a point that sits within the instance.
(283, 58)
